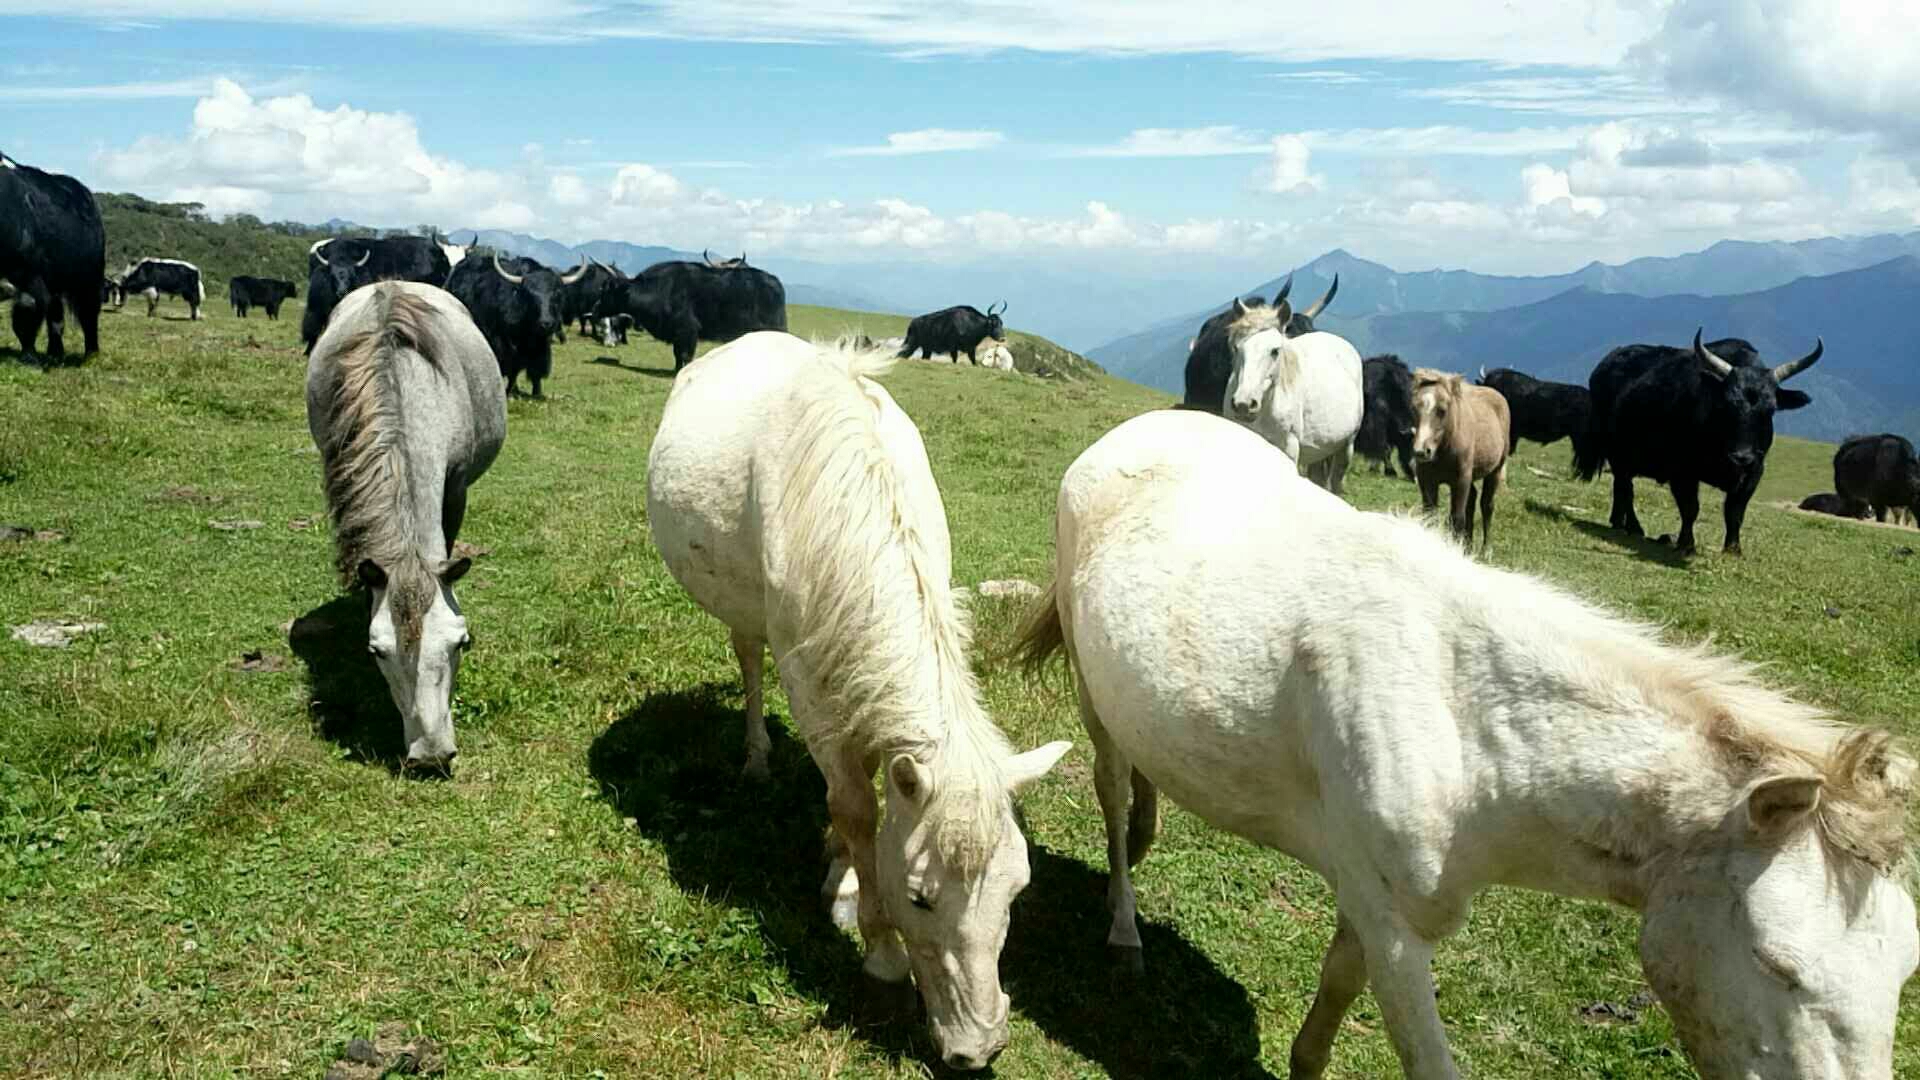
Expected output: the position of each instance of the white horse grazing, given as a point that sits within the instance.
(791, 496)
(1303, 394)
(404, 402)
(1508, 734)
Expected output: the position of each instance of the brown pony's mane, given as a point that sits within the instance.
(366, 473)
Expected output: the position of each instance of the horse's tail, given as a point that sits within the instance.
(1042, 637)
(860, 361)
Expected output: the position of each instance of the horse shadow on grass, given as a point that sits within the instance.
(1640, 547)
(673, 765)
(615, 362)
(347, 696)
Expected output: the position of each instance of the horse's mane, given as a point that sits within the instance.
(1750, 729)
(366, 474)
(876, 618)
(1257, 317)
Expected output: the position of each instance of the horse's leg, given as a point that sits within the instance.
(1460, 507)
(1399, 964)
(855, 813)
(1487, 487)
(1337, 469)
(1429, 489)
(1343, 974)
(1113, 783)
(750, 651)
(453, 511)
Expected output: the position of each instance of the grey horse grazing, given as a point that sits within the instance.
(405, 403)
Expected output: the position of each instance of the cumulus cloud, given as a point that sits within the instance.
(289, 157)
(925, 141)
(1842, 65)
(644, 185)
(1286, 171)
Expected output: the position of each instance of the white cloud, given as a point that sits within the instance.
(243, 153)
(1843, 65)
(1286, 171)
(133, 91)
(1546, 186)
(566, 189)
(1594, 94)
(1607, 167)
(924, 141)
(1323, 76)
(1590, 33)
(1216, 141)
(644, 185)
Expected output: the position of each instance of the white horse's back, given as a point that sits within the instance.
(719, 457)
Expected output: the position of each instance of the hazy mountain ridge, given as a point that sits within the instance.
(1155, 356)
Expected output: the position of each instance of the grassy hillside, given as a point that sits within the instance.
(208, 867)
(138, 229)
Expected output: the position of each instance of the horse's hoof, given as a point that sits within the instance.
(755, 771)
(1126, 963)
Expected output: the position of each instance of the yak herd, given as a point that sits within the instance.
(1678, 416)
(1681, 417)
(57, 260)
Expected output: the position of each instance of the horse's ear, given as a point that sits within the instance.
(371, 575)
(1780, 804)
(1024, 769)
(455, 570)
(1284, 314)
(1240, 307)
(909, 777)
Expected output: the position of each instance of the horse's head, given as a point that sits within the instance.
(1779, 942)
(1257, 341)
(950, 859)
(1435, 396)
(416, 637)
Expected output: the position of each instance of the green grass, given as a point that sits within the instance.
(206, 871)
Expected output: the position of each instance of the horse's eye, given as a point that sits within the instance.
(1275, 354)
(376, 651)
(466, 643)
(920, 901)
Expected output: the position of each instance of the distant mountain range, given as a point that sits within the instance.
(1558, 327)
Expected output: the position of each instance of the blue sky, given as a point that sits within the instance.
(1469, 133)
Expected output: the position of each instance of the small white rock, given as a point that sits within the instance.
(54, 633)
(1014, 588)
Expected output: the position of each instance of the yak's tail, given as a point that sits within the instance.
(1041, 636)
(1590, 450)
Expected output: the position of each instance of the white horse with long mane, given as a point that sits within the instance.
(792, 497)
(1507, 734)
(404, 402)
(1304, 394)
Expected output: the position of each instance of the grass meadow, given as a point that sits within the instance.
(210, 867)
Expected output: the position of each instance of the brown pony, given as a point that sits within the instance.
(1459, 438)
